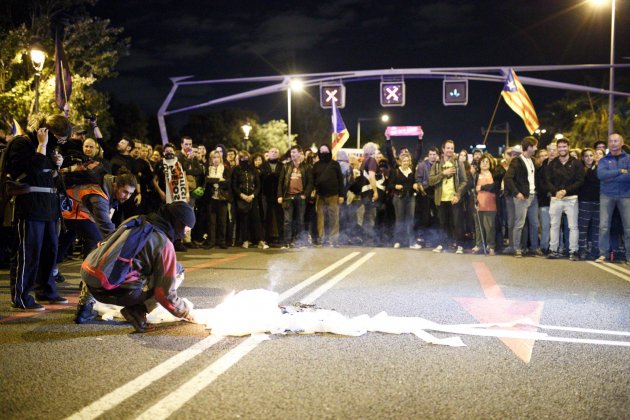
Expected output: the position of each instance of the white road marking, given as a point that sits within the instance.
(330, 283)
(117, 396)
(176, 399)
(613, 269)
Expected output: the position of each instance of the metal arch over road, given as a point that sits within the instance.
(281, 83)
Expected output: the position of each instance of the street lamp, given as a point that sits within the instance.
(611, 86)
(384, 118)
(247, 128)
(294, 85)
(38, 57)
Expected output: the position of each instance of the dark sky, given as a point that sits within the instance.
(229, 39)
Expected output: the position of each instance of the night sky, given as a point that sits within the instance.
(219, 39)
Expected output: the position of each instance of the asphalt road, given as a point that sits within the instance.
(575, 363)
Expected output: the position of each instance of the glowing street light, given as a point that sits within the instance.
(247, 128)
(384, 118)
(296, 85)
(38, 57)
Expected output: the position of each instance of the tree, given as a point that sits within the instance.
(93, 48)
(583, 118)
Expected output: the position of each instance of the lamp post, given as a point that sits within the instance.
(38, 57)
(247, 128)
(384, 118)
(611, 85)
(294, 85)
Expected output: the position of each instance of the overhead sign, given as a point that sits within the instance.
(455, 92)
(392, 93)
(332, 93)
(404, 130)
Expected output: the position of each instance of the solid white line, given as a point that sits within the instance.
(610, 270)
(330, 283)
(117, 396)
(176, 399)
(292, 291)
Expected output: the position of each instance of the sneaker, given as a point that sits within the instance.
(438, 249)
(508, 251)
(85, 312)
(539, 252)
(415, 246)
(554, 255)
(475, 250)
(397, 245)
(600, 260)
(285, 246)
(30, 307)
(491, 252)
(136, 315)
(60, 278)
(263, 245)
(460, 250)
(573, 256)
(55, 300)
(245, 244)
(518, 253)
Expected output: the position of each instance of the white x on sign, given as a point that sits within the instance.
(392, 93)
(331, 96)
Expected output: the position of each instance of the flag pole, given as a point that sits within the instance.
(492, 120)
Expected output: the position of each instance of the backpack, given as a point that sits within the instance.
(110, 265)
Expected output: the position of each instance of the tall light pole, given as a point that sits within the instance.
(247, 128)
(383, 118)
(611, 85)
(38, 57)
(294, 85)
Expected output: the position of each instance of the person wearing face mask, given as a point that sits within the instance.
(269, 178)
(33, 161)
(329, 186)
(155, 274)
(246, 188)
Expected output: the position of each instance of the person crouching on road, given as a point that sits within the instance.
(155, 269)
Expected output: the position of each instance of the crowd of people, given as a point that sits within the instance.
(552, 202)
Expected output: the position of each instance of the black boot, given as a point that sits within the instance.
(136, 315)
(85, 309)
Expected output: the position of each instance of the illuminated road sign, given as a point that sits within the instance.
(392, 93)
(455, 92)
(332, 93)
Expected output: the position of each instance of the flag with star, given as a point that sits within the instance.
(340, 133)
(515, 96)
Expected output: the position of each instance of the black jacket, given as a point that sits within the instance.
(37, 171)
(568, 176)
(516, 179)
(327, 179)
(285, 179)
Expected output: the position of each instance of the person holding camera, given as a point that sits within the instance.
(33, 162)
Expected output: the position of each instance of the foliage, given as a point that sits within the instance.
(583, 118)
(93, 49)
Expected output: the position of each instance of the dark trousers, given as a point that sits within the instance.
(294, 208)
(84, 229)
(273, 219)
(122, 297)
(249, 224)
(588, 225)
(451, 225)
(217, 222)
(36, 255)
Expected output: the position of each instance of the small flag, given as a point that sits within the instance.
(516, 97)
(16, 130)
(63, 78)
(340, 133)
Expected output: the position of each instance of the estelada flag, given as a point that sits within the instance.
(340, 133)
(63, 78)
(516, 97)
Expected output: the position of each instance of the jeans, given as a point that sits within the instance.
(556, 209)
(526, 209)
(404, 207)
(606, 207)
(485, 232)
(293, 208)
(545, 226)
(588, 221)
